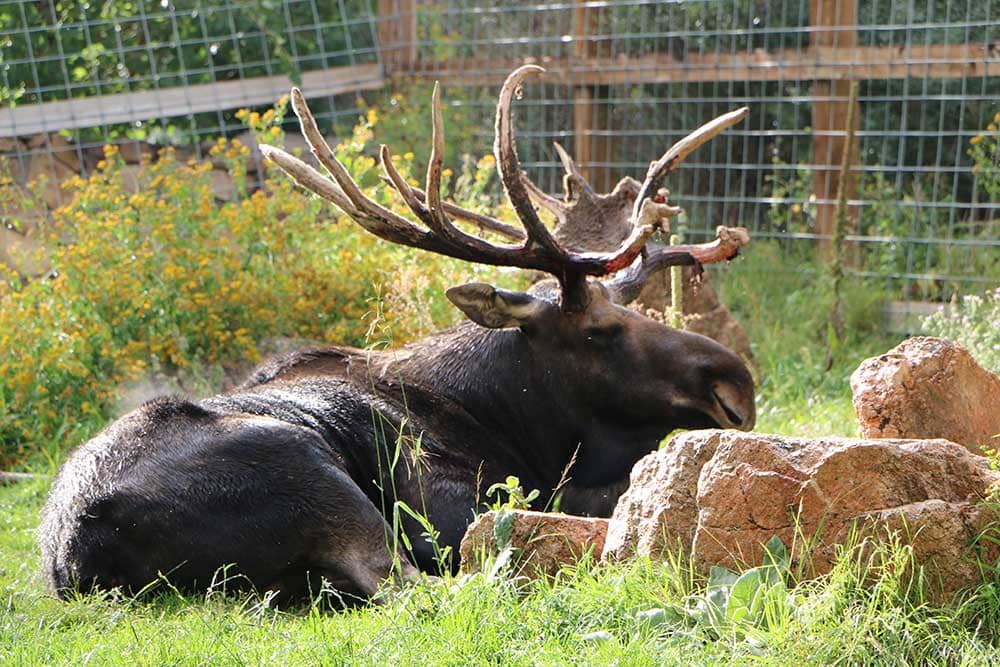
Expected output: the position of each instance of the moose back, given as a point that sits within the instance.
(305, 472)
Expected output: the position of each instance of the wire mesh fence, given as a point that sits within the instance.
(624, 79)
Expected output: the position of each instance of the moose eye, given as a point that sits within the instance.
(603, 335)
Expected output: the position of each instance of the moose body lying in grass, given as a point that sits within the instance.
(296, 476)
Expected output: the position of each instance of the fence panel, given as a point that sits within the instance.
(624, 79)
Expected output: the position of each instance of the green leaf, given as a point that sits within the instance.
(503, 528)
(776, 561)
(720, 576)
(745, 596)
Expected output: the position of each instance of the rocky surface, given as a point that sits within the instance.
(54, 162)
(543, 542)
(928, 388)
(720, 495)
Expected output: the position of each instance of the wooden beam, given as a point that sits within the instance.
(180, 101)
(873, 62)
(932, 61)
(397, 35)
(834, 27)
(589, 116)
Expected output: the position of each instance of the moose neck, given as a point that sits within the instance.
(500, 381)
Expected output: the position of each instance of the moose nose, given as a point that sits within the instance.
(735, 405)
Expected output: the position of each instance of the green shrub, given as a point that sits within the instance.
(974, 322)
(166, 282)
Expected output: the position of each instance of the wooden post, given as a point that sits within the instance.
(589, 114)
(834, 25)
(397, 35)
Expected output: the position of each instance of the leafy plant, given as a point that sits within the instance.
(736, 603)
(984, 149)
(973, 322)
(516, 499)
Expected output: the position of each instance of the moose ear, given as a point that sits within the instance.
(497, 308)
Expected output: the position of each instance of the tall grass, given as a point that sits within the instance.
(639, 613)
(784, 303)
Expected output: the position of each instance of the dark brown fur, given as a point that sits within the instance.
(289, 479)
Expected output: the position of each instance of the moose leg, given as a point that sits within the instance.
(353, 545)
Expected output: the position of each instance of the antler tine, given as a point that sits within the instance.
(435, 213)
(345, 193)
(415, 198)
(573, 178)
(539, 251)
(369, 214)
(391, 227)
(505, 151)
(325, 155)
(728, 241)
(396, 180)
(437, 218)
(309, 178)
(680, 150)
(483, 221)
(542, 198)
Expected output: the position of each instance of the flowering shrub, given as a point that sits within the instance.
(165, 281)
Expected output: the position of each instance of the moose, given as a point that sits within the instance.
(297, 476)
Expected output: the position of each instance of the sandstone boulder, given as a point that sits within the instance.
(543, 543)
(223, 186)
(53, 162)
(928, 388)
(720, 495)
(22, 253)
(136, 152)
(10, 145)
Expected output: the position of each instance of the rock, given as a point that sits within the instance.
(943, 536)
(720, 495)
(659, 510)
(133, 178)
(10, 145)
(136, 152)
(54, 161)
(544, 542)
(223, 186)
(15, 167)
(704, 313)
(59, 148)
(25, 254)
(928, 388)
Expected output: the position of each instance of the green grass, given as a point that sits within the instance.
(590, 615)
(785, 306)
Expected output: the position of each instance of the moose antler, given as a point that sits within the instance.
(539, 250)
(588, 220)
